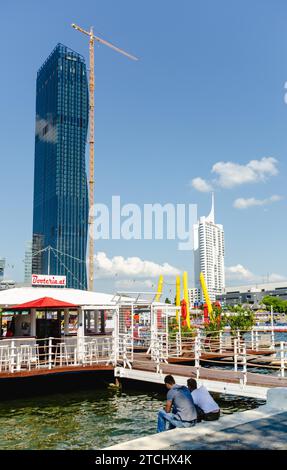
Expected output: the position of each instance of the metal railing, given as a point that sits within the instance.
(240, 351)
(20, 354)
(125, 349)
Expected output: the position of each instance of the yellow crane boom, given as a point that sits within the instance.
(92, 39)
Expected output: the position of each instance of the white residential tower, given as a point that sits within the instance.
(209, 254)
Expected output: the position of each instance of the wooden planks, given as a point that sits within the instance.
(229, 376)
(57, 370)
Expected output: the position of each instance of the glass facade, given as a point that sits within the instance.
(60, 214)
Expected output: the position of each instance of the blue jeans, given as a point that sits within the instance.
(172, 420)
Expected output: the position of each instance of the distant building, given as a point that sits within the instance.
(37, 254)
(2, 267)
(60, 210)
(209, 254)
(28, 263)
(253, 294)
(194, 296)
(7, 284)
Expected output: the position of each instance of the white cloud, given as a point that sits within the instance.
(242, 274)
(130, 267)
(238, 272)
(242, 203)
(201, 185)
(229, 174)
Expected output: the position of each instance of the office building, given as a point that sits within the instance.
(253, 294)
(60, 212)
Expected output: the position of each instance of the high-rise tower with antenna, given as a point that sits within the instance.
(209, 254)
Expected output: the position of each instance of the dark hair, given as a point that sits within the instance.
(169, 380)
(191, 383)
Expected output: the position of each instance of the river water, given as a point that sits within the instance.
(90, 419)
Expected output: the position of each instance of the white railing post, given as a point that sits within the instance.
(159, 347)
(252, 340)
(199, 342)
(256, 341)
(197, 357)
(282, 357)
(61, 353)
(115, 348)
(178, 344)
(239, 340)
(244, 363)
(125, 352)
(81, 337)
(50, 354)
(159, 354)
(12, 356)
(220, 342)
(272, 329)
(272, 338)
(235, 355)
(198, 335)
(154, 349)
(18, 358)
(75, 355)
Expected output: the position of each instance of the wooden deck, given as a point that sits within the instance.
(141, 362)
(56, 370)
(222, 356)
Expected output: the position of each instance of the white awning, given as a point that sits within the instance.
(19, 295)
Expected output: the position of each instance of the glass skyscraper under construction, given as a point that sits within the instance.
(60, 215)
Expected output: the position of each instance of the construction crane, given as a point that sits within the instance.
(92, 39)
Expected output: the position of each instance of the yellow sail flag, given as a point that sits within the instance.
(205, 293)
(177, 297)
(185, 296)
(159, 289)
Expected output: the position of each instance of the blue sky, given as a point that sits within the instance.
(209, 88)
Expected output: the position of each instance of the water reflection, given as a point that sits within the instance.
(88, 420)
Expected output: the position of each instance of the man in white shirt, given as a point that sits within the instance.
(207, 409)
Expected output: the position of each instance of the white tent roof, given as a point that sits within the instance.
(19, 295)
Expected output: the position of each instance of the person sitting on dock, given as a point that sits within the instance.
(179, 411)
(207, 409)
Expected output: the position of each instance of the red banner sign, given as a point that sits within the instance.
(45, 280)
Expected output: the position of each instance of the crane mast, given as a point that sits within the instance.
(91, 159)
(92, 39)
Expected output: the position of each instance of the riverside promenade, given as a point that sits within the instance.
(264, 428)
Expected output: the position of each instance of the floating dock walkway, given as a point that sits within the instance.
(230, 382)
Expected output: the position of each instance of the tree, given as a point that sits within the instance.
(241, 321)
(167, 301)
(279, 305)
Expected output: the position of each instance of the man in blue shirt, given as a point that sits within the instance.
(179, 410)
